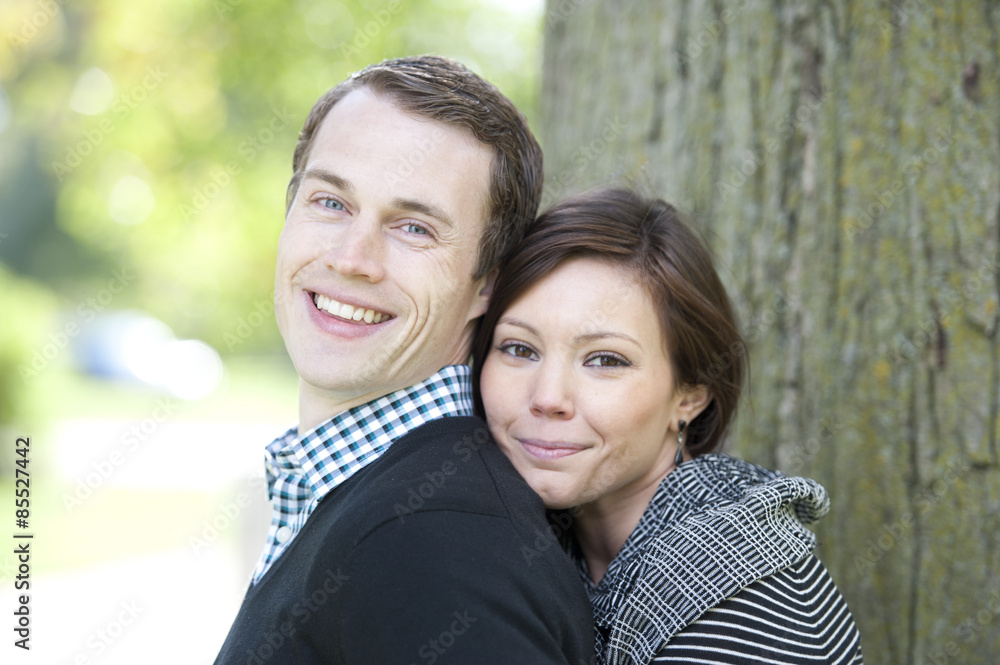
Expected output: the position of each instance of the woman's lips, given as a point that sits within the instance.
(549, 449)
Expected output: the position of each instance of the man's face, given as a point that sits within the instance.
(374, 289)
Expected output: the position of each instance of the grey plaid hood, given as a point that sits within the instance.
(715, 525)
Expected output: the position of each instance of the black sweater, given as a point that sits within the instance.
(438, 552)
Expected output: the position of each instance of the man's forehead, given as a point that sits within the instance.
(366, 103)
(421, 159)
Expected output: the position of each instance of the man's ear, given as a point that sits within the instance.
(694, 400)
(485, 285)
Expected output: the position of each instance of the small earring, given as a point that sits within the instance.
(680, 443)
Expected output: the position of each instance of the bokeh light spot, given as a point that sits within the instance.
(131, 200)
(93, 92)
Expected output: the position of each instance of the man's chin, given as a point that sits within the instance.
(339, 384)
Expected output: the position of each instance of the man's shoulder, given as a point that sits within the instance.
(441, 522)
(456, 439)
(450, 464)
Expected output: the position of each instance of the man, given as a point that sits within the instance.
(400, 533)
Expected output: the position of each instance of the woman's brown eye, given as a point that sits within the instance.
(517, 350)
(607, 360)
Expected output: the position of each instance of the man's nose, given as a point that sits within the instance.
(359, 251)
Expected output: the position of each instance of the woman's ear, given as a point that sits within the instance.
(694, 400)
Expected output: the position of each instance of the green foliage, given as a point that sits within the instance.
(28, 317)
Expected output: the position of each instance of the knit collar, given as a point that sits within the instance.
(301, 470)
(715, 525)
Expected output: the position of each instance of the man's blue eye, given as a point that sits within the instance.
(333, 204)
(415, 228)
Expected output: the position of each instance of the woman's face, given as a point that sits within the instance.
(578, 389)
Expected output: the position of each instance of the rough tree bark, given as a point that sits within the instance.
(842, 159)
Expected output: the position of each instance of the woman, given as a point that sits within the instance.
(610, 365)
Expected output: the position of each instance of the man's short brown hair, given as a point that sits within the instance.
(446, 91)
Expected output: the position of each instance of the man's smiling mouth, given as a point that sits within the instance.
(348, 312)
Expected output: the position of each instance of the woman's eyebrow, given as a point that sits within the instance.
(595, 336)
(511, 321)
(582, 338)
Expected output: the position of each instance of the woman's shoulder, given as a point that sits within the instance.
(727, 471)
(716, 482)
(796, 615)
(719, 528)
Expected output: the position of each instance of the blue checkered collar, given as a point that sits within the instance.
(338, 448)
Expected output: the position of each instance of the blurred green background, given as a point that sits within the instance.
(144, 154)
(157, 137)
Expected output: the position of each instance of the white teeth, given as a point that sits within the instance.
(348, 311)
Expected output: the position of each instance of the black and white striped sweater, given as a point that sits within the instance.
(720, 570)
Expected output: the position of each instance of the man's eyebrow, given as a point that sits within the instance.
(428, 209)
(330, 177)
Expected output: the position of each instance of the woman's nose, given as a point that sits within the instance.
(552, 393)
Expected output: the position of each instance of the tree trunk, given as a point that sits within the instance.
(843, 160)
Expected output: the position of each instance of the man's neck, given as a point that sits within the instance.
(316, 406)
